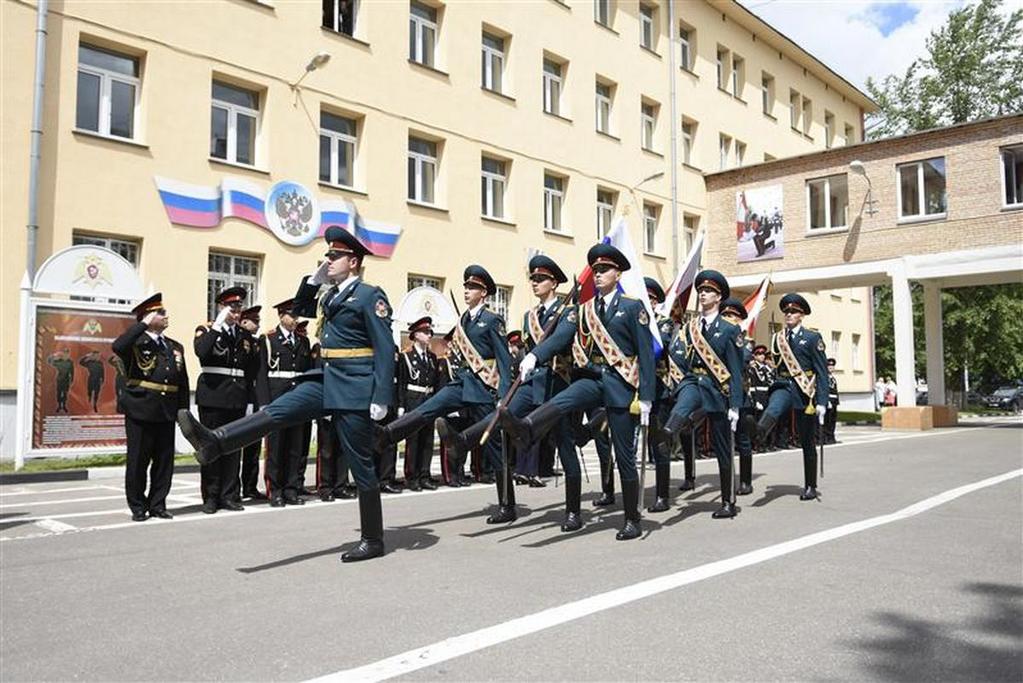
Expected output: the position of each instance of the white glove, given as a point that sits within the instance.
(377, 412)
(733, 418)
(526, 365)
(148, 320)
(218, 324)
(760, 406)
(319, 276)
(401, 411)
(644, 412)
(821, 410)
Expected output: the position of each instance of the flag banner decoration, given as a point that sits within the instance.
(632, 283)
(678, 293)
(754, 304)
(288, 209)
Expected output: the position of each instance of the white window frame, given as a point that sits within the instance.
(767, 93)
(602, 107)
(602, 7)
(420, 160)
(233, 111)
(552, 215)
(492, 57)
(415, 280)
(921, 193)
(740, 152)
(420, 25)
(337, 139)
(738, 66)
(1015, 151)
(795, 109)
(688, 139)
(552, 104)
(605, 211)
(118, 245)
(230, 278)
(836, 347)
(855, 350)
(685, 40)
(722, 67)
(105, 86)
(336, 25)
(651, 216)
(828, 226)
(690, 228)
(829, 129)
(647, 34)
(490, 180)
(724, 150)
(500, 303)
(648, 125)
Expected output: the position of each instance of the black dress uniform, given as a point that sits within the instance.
(761, 377)
(283, 356)
(156, 388)
(452, 461)
(251, 453)
(227, 356)
(831, 417)
(418, 379)
(734, 311)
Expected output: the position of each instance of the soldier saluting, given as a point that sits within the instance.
(155, 389)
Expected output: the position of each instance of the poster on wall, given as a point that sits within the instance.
(758, 224)
(77, 379)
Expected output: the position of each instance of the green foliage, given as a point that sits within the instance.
(857, 416)
(973, 69)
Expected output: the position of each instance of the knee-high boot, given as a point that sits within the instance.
(371, 519)
(573, 494)
(210, 444)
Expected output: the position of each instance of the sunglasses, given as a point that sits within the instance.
(539, 278)
(161, 311)
(335, 255)
(602, 268)
(787, 311)
(711, 290)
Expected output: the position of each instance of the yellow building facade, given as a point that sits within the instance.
(483, 130)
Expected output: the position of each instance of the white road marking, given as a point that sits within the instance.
(54, 525)
(70, 489)
(59, 502)
(457, 646)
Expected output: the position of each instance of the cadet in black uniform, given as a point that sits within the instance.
(831, 417)
(283, 356)
(94, 366)
(249, 322)
(156, 388)
(452, 461)
(761, 377)
(228, 358)
(418, 379)
(735, 312)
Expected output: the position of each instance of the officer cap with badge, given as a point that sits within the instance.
(654, 289)
(476, 276)
(759, 348)
(606, 255)
(541, 266)
(251, 313)
(424, 324)
(714, 280)
(284, 307)
(153, 303)
(340, 242)
(732, 306)
(795, 302)
(515, 338)
(232, 296)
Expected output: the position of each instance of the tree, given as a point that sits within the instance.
(973, 69)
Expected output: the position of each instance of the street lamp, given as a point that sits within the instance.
(856, 167)
(318, 61)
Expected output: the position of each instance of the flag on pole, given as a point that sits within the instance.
(632, 282)
(754, 303)
(681, 288)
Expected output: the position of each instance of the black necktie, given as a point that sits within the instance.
(788, 336)
(600, 309)
(160, 343)
(703, 326)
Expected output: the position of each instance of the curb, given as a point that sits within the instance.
(78, 475)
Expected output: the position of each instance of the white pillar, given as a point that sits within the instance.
(935, 345)
(902, 307)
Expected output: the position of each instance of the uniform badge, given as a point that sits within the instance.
(644, 319)
(500, 327)
(245, 345)
(178, 360)
(820, 344)
(572, 317)
(740, 339)
(382, 309)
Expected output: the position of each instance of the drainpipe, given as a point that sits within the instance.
(673, 157)
(38, 88)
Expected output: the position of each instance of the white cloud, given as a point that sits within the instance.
(847, 36)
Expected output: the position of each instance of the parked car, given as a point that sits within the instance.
(1008, 397)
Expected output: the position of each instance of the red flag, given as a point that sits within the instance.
(587, 285)
(754, 303)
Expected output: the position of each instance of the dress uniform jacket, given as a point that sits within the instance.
(418, 377)
(280, 364)
(624, 319)
(726, 340)
(761, 377)
(229, 362)
(486, 334)
(808, 348)
(553, 353)
(156, 381)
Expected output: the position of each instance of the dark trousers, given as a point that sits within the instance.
(419, 454)
(150, 450)
(744, 445)
(602, 442)
(588, 394)
(687, 401)
(219, 479)
(830, 422)
(386, 461)
(779, 407)
(250, 467)
(448, 400)
(355, 433)
(331, 463)
(283, 458)
(452, 468)
(559, 438)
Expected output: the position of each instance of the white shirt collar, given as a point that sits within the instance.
(348, 280)
(284, 333)
(609, 297)
(795, 330)
(709, 318)
(473, 312)
(154, 336)
(547, 305)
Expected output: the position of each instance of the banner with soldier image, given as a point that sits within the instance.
(758, 224)
(77, 379)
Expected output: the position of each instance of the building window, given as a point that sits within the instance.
(337, 149)
(108, 92)
(740, 152)
(425, 281)
(650, 215)
(836, 346)
(687, 42)
(855, 350)
(688, 137)
(690, 226)
(921, 188)
(493, 62)
(648, 115)
(829, 129)
(553, 199)
(738, 75)
(724, 148)
(129, 249)
(339, 15)
(552, 87)
(605, 211)
(767, 93)
(493, 182)
(234, 124)
(502, 299)
(422, 170)
(422, 34)
(603, 107)
(795, 102)
(722, 68)
(646, 26)
(807, 115)
(827, 202)
(602, 12)
(1012, 175)
(850, 135)
(228, 270)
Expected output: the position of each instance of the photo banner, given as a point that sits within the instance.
(759, 224)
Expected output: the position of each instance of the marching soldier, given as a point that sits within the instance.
(801, 385)
(94, 366)
(452, 462)
(761, 375)
(713, 384)
(660, 441)
(831, 417)
(249, 322)
(302, 330)
(227, 356)
(332, 480)
(735, 312)
(418, 378)
(614, 347)
(283, 356)
(479, 340)
(156, 388)
(357, 380)
(65, 367)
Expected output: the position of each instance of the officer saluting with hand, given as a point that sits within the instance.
(155, 388)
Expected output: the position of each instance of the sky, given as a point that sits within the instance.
(857, 39)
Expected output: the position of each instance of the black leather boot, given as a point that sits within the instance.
(531, 428)
(584, 433)
(505, 498)
(385, 436)
(745, 475)
(607, 487)
(372, 522)
(460, 443)
(809, 475)
(765, 426)
(573, 493)
(728, 508)
(679, 423)
(630, 501)
(663, 473)
(210, 444)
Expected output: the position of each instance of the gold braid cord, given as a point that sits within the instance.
(535, 328)
(707, 355)
(804, 382)
(627, 366)
(486, 370)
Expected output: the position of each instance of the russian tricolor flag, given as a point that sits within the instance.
(197, 206)
(243, 200)
(380, 238)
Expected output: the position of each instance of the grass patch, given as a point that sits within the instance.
(855, 416)
(57, 464)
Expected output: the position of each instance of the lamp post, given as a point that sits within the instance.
(856, 167)
(318, 61)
